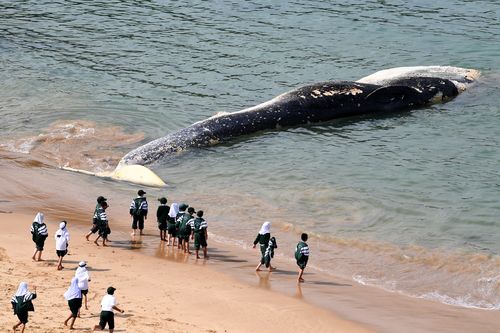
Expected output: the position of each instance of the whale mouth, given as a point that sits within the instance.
(461, 77)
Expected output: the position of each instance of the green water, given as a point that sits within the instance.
(419, 185)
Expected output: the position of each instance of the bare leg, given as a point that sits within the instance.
(205, 256)
(88, 235)
(196, 251)
(97, 327)
(67, 319)
(300, 279)
(23, 326)
(104, 242)
(95, 242)
(16, 326)
(86, 307)
(39, 258)
(34, 254)
(59, 264)
(258, 267)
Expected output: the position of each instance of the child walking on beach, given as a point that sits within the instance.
(39, 235)
(108, 304)
(263, 238)
(102, 222)
(62, 238)
(82, 274)
(95, 220)
(74, 297)
(21, 304)
(302, 256)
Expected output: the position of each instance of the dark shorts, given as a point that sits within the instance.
(104, 231)
(61, 253)
(74, 305)
(302, 263)
(85, 292)
(172, 230)
(95, 228)
(107, 317)
(23, 316)
(40, 243)
(162, 226)
(138, 220)
(199, 240)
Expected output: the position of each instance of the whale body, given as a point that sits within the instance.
(389, 90)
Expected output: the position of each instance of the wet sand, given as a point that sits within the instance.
(163, 290)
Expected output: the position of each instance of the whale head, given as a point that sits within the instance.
(460, 77)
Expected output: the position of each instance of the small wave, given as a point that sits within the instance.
(466, 301)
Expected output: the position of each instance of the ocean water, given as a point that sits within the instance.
(407, 202)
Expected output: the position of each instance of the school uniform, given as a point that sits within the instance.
(102, 222)
(138, 210)
(74, 297)
(183, 228)
(162, 216)
(39, 231)
(107, 315)
(172, 214)
(21, 302)
(62, 238)
(199, 226)
(83, 276)
(302, 254)
(263, 241)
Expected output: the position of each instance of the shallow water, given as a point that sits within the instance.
(406, 202)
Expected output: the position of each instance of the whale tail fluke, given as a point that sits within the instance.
(136, 174)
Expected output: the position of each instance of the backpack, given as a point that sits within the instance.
(297, 251)
(197, 224)
(35, 233)
(22, 306)
(184, 228)
(137, 206)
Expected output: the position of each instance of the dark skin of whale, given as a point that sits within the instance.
(308, 104)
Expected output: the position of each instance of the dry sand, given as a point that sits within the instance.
(157, 295)
(163, 291)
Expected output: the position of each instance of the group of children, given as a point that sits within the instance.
(22, 302)
(177, 224)
(268, 244)
(39, 234)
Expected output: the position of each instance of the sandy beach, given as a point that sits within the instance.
(162, 290)
(157, 296)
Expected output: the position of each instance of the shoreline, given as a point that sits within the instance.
(156, 298)
(362, 307)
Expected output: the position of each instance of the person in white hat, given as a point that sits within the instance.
(74, 297)
(83, 276)
(62, 239)
(39, 233)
